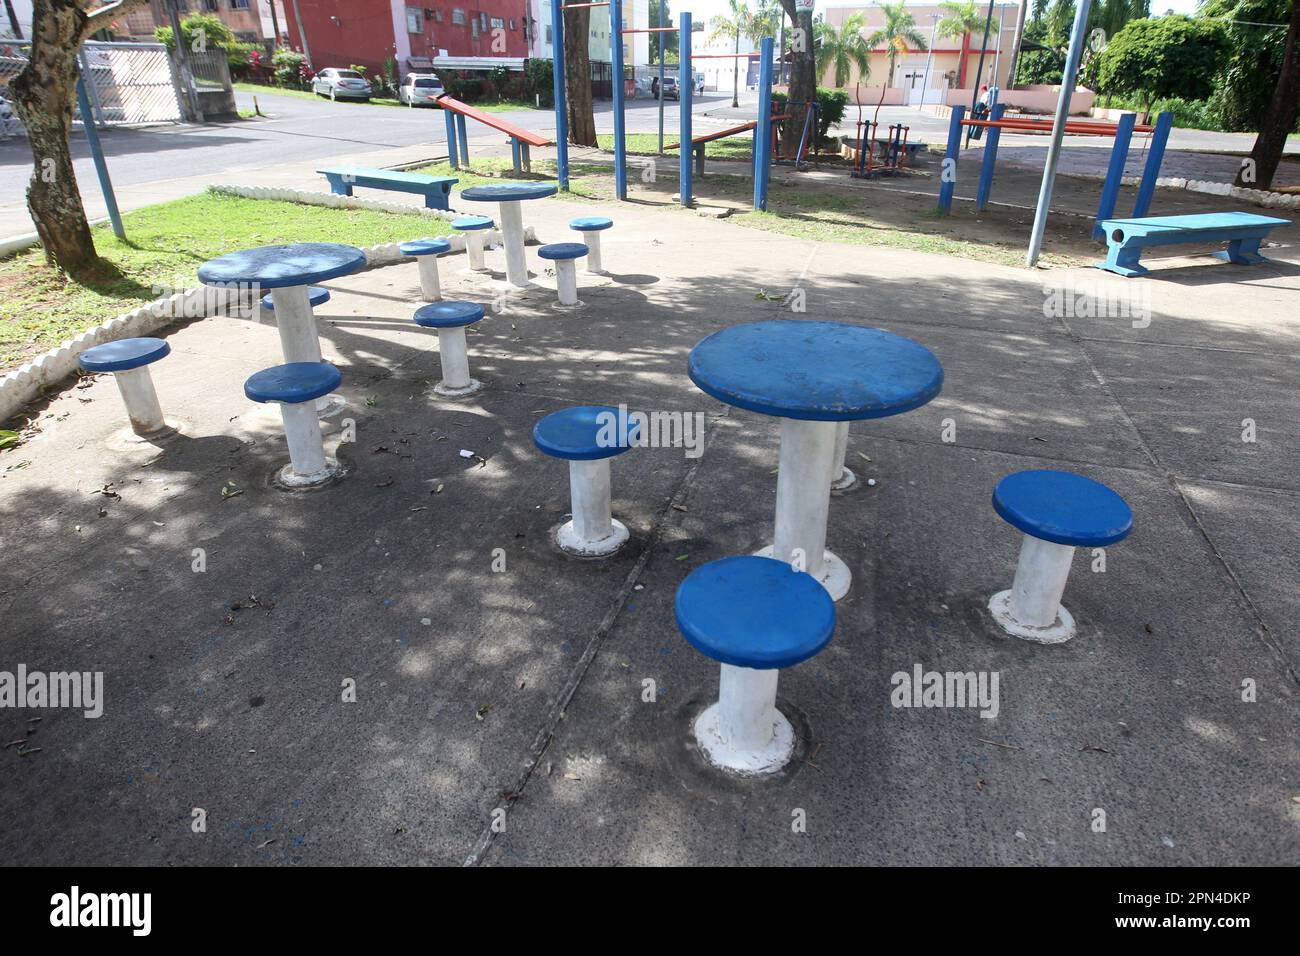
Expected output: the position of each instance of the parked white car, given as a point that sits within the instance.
(341, 84)
(420, 89)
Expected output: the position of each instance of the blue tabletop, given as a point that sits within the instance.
(754, 612)
(1062, 507)
(275, 267)
(815, 371)
(508, 192)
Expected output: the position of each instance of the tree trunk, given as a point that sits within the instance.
(803, 81)
(577, 77)
(961, 61)
(1281, 119)
(735, 76)
(43, 96)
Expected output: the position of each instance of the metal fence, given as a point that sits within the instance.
(128, 83)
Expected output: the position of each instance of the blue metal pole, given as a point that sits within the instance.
(1114, 172)
(948, 180)
(685, 86)
(763, 131)
(97, 154)
(990, 157)
(452, 158)
(1155, 156)
(620, 132)
(463, 137)
(561, 108)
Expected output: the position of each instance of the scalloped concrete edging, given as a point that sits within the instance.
(26, 383)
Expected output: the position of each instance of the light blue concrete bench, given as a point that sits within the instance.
(1243, 232)
(754, 616)
(1058, 511)
(434, 189)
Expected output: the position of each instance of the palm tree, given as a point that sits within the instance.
(899, 35)
(960, 19)
(732, 24)
(843, 47)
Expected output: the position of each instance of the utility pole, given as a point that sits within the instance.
(13, 20)
(275, 25)
(183, 63)
(929, 58)
(1015, 47)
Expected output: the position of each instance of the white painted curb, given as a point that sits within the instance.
(19, 387)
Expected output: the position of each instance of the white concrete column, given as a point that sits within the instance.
(296, 324)
(803, 492)
(592, 239)
(454, 355)
(512, 237)
(430, 286)
(474, 240)
(140, 399)
(1032, 607)
(566, 281)
(842, 475)
(744, 732)
(299, 341)
(592, 532)
(306, 447)
(1040, 581)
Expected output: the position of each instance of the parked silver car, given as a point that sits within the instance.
(420, 89)
(341, 84)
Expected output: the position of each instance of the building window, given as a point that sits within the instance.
(414, 20)
(512, 23)
(458, 17)
(473, 27)
(210, 6)
(483, 21)
(498, 23)
(437, 16)
(238, 4)
(548, 35)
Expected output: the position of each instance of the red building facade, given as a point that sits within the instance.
(367, 32)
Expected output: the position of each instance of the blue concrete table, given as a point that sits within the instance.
(813, 375)
(288, 271)
(509, 196)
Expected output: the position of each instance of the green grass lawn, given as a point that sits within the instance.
(40, 306)
(739, 146)
(508, 106)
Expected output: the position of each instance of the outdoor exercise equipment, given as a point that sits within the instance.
(457, 112)
(686, 88)
(1121, 131)
(892, 156)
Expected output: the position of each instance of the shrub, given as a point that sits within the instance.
(831, 105)
(539, 80)
(289, 67)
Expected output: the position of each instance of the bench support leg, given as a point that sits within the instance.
(1123, 260)
(296, 323)
(528, 161)
(474, 249)
(592, 531)
(512, 237)
(699, 159)
(842, 476)
(453, 352)
(566, 281)
(515, 157)
(803, 490)
(430, 285)
(1032, 609)
(1242, 252)
(592, 239)
(307, 462)
(338, 187)
(141, 401)
(744, 732)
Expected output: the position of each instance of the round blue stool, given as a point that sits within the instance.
(129, 361)
(450, 318)
(1058, 511)
(426, 253)
(591, 227)
(754, 616)
(475, 229)
(588, 436)
(316, 295)
(563, 255)
(295, 388)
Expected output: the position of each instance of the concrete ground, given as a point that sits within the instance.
(522, 689)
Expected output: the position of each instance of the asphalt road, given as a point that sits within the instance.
(296, 129)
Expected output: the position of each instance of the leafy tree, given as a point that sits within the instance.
(899, 35)
(1257, 36)
(577, 77)
(960, 19)
(803, 76)
(1168, 56)
(731, 25)
(43, 94)
(204, 31)
(1280, 119)
(843, 47)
